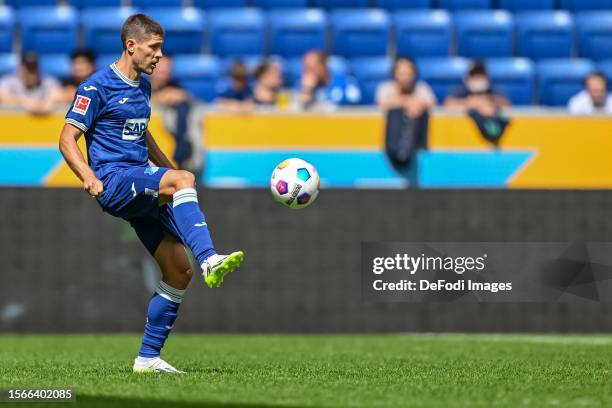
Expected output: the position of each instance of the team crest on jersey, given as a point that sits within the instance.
(81, 104)
(134, 129)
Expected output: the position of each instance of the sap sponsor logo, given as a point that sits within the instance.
(134, 129)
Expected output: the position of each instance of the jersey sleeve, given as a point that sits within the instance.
(86, 106)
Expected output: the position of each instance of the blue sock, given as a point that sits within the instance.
(191, 223)
(161, 315)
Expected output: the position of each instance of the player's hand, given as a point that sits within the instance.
(93, 186)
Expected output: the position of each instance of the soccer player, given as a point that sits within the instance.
(112, 108)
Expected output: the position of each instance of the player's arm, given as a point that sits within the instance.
(155, 153)
(72, 154)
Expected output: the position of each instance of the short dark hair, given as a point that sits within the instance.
(478, 67)
(138, 26)
(403, 58)
(88, 54)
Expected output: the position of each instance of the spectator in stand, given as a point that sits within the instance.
(268, 85)
(404, 91)
(83, 64)
(29, 89)
(319, 86)
(236, 94)
(594, 99)
(178, 114)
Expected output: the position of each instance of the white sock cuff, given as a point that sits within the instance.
(166, 291)
(184, 195)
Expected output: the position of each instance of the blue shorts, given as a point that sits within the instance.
(132, 194)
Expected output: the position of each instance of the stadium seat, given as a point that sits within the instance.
(56, 65)
(544, 34)
(484, 33)
(422, 33)
(280, 4)
(184, 29)
(293, 68)
(456, 5)
(559, 80)
(48, 30)
(7, 28)
(102, 28)
(360, 33)
(370, 72)
(594, 34)
(8, 63)
(404, 4)
(237, 32)
(606, 68)
(30, 3)
(212, 4)
(157, 3)
(515, 77)
(334, 4)
(442, 74)
(94, 3)
(198, 74)
(523, 5)
(105, 60)
(578, 5)
(293, 32)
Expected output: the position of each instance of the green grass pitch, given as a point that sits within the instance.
(229, 371)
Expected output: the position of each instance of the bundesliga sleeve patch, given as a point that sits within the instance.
(81, 104)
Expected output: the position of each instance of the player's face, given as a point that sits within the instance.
(147, 53)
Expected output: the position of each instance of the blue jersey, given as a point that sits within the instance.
(113, 112)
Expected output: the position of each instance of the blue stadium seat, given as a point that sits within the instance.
(156, 3)
(404, 4)
(7, 27)
(293, 32)
(198, 74)
(280, 4)
(293, 68)
(484, 33)
(94, 3)
(102, 28)
(237, 32)
(360, 33)
(422, 33)
(8, 63)
(48, 30)
(334, 4)
(443, 74)
(606, 67)
(184, 29)
(56, 65)
(594, 34)
(370, 72)
(515, 77)
(578, 5)
(559, 80)
(105, 60)
(524, 5)
(465, 4)
(544, 34)
(30, 3)
(215, 4)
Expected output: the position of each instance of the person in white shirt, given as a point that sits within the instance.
(594, 99)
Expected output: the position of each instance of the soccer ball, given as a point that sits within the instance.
(295, 183)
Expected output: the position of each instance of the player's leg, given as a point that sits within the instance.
(178, 186)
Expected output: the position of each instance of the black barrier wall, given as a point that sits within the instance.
(66, 266)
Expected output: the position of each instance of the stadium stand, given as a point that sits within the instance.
(370, 72)
(102, 26)
(184, 28)
(442, 74)
(514, 77)
(237, 32)
(30, 3)
(293, 68)
(156, 3)
(606, 68)
(280, 4)
(48, 29)
(57, 65)
(594, 34)
(360, 33)
(544, 34)
(294, 32)
(465, 4)
(212, 4)
(8, 63)
(578, 5)
(524, 5)
(422, 33)
(94, 3)
(484, 33)
(559, 80)
(7, 27)
(198, 74)
(334, 4)
(403, 4)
